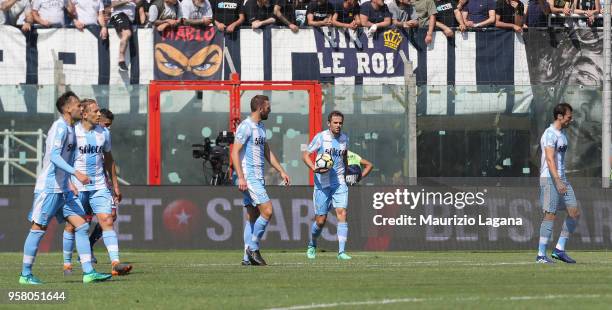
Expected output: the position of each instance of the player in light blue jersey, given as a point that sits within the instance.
(106, 120)
(248, 155)
(52, 196)
(556, 193)
(330, 188)
(93, 155)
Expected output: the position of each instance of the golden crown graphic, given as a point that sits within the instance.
(392, 38)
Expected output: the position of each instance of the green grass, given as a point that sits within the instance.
(424, 280)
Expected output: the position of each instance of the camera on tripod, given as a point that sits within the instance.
(217, 155)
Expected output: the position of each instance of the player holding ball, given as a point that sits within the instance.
(330, 188)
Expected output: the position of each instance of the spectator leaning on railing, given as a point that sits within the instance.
(88, 13)
(449, 16)
(48, 13)
(588, 8)
(285, 12)
(259, 13)
(228, 14)
(319, 13)
(560, 7)
(196, 12)
(426, 14)
(16, 13)
(347, 15)
(479, 13)
(403, 14)
(509, 15)
(164, 14)
(375, 15)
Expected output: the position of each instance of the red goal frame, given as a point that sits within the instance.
(234, 86)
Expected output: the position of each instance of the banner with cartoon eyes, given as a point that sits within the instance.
(188, 53)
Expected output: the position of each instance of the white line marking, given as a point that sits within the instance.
(414, 300)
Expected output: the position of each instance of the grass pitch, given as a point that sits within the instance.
(397, 280)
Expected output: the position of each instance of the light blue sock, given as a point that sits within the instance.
(30, 247)
(315, 232)
(68, 244)
(545, 232)
(248, 232)
(342, 236)
(83, 247)
(258, 230)
(112, 245)
(569, 226)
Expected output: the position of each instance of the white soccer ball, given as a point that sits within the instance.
(324, 161)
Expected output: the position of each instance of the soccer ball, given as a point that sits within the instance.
(324, 161)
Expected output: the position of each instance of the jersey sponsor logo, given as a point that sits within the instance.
(70, 147)
(227, 5)
(562, 148)
(90, 149)
(259, 140)
(335, 152)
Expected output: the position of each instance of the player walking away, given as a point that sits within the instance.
(556, 193)
(330, 187)
(52, 196)
(106, 120)
(355, 173)
(94, 156)
(248, 153)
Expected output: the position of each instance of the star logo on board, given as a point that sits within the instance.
(183, 218)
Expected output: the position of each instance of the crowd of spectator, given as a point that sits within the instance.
(229, 15)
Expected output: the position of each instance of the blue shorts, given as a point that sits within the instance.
(58, 205)
(325, 198)
(256, 192)
(552, 201)
(97, 201)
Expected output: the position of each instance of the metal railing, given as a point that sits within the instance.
(20, 162)
(574, 18)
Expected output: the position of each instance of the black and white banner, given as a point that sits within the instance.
(474, 72)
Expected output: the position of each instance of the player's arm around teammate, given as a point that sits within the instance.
(52, 196)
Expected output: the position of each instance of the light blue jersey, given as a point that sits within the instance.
(58, 159)
(553, 201)
(253, 138)
(52, 196)
(89, 157)
(558, 140)
(325, 142)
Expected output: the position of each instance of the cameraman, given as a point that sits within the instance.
(217, 156)
(354, 172)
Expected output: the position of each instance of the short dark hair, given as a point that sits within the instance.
(63, 100)
(107, 114)
(334, 113)
(561, 109)
(258, 101)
